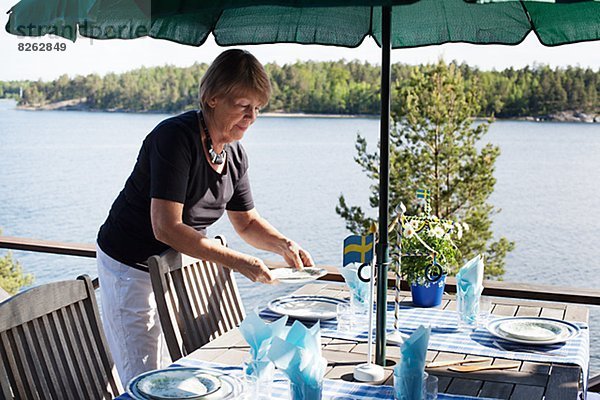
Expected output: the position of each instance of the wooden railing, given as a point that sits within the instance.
(46, 246)
(491, 288)
(498, 289)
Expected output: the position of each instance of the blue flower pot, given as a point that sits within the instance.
(428, 294)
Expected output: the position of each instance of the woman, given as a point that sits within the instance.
(190, 169)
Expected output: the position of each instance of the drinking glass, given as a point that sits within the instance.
(359, 308)
(344, 317)
(302, 391)
(485, 308)
(258, 378)
(431, 387)
(412, 386)
(467, 309)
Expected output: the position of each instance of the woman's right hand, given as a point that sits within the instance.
(254, 269)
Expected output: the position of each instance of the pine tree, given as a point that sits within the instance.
(12, 277)
(434, 145)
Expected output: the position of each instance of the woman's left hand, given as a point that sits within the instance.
(295, 256)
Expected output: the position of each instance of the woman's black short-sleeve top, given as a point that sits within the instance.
(172, 166)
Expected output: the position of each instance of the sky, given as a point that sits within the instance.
(87, 56)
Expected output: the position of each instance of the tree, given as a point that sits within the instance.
(434, 145)
(339, 87)
(12, 277)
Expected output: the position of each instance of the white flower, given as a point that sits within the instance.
(437, 231)
(409, 231)
(448, 226)
(459, 231)
(414, 224)
(421, 280)
(465, 226)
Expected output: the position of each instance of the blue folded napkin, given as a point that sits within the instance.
(469, 283)
(299, 357)
(358, 288)
(259, 336)
(409, 373)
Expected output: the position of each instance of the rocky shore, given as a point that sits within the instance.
(66, 105)
(567, 116)
(81, 105)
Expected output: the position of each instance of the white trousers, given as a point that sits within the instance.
(130, 319)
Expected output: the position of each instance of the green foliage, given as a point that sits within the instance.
(12, 277)
(425, 241)
(11, 89)
(434, 145)
(158, 89)
(340, 87)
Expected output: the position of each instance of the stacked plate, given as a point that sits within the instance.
(309, 308)
(292, 275)
(185, 384)
(533, 330)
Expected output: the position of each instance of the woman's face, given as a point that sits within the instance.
(232, 115)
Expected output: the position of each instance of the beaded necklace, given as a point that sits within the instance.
(215, 158)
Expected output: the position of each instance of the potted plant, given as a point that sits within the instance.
(426, 252)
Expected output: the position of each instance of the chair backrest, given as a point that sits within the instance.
(197, 301)
(52, 345)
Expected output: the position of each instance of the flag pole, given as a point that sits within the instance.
(370, 372)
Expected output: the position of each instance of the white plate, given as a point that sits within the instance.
(533, 330)
(230, 386)
(528, 329)
(178, 384)
(306, 307)
(292, 275)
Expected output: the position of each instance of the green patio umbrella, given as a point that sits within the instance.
(393, 24)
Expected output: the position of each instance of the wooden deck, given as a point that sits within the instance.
(512, 300)
(530, 381)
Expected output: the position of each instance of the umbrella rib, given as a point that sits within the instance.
(371, 23)
(213, 29)
(530, 20)
(526, 13)
(531, 26)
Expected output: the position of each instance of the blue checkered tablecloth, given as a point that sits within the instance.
(445, 336)
(332, 389)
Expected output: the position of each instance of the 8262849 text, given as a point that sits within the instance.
(42, 47)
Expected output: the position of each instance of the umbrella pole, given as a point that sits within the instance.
(383, 256)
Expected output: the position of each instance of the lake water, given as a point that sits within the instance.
(60, 171)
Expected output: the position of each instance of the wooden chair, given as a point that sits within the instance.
(52, 345)
(197, 300)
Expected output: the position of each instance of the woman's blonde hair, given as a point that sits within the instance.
(234, 71)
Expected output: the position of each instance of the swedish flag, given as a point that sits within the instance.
(358, 249)
(423, 193)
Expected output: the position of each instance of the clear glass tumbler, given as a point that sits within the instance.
(360, 309)
(485, 310)
(258, 378)
(344, 317)
(467, 308)
(411, 386)
(302, 391)
(431, 387)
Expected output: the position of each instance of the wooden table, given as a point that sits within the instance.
(531, 381)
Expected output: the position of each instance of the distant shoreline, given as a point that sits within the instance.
(79, 105)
